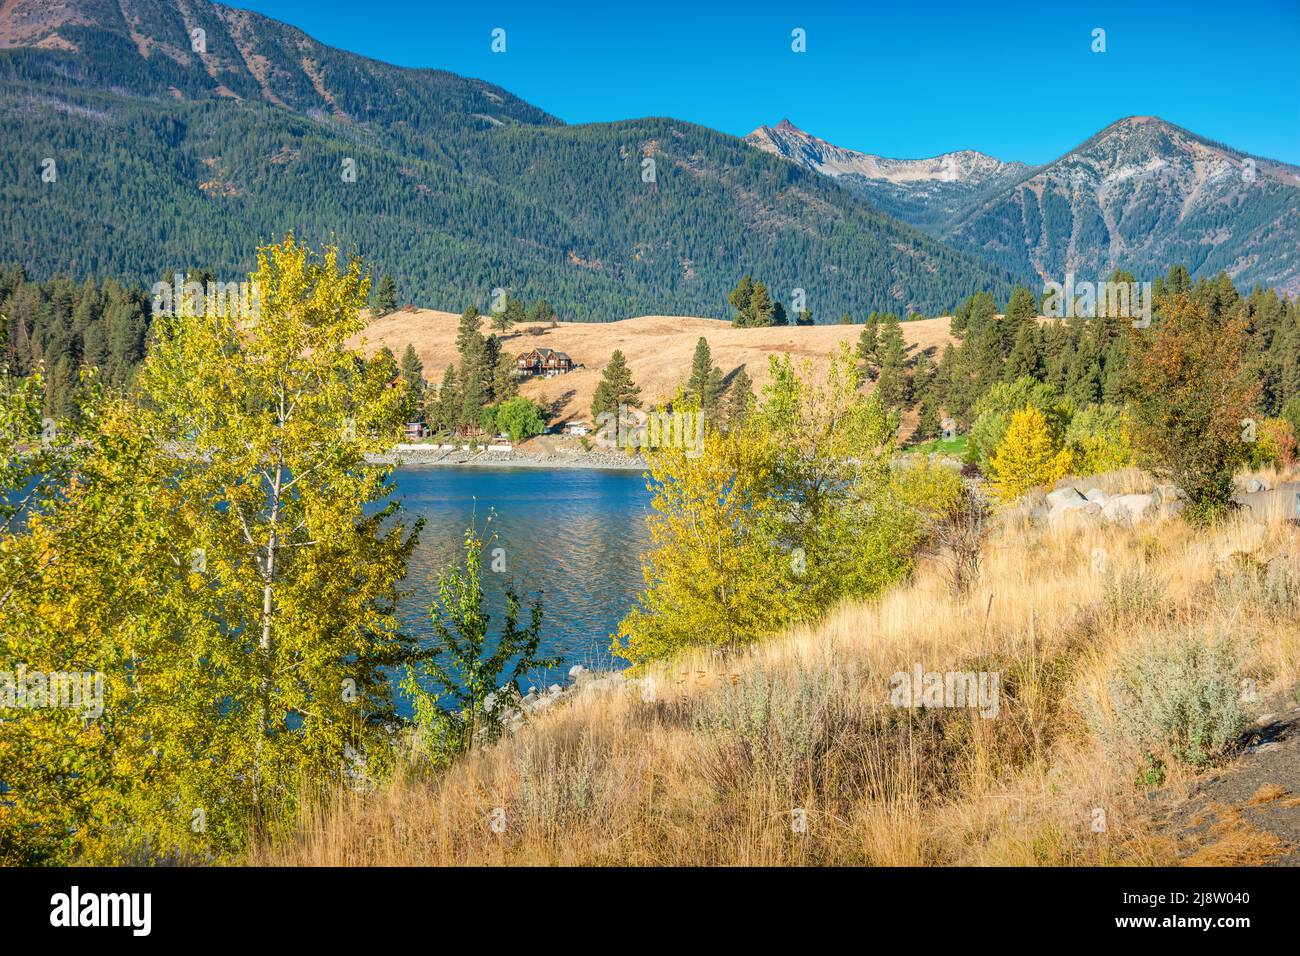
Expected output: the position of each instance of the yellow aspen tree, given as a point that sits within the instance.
(1027, 456)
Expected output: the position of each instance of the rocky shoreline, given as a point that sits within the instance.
(434, 457)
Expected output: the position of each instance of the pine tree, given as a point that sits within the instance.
(468, 328)
(705, 384)
(385, 296)
(1024, 358)
(892, 385)
(615, 388)
(541, 313)
(739, 300)
(412, 372)
(761, 310)
(505, 385)
(928, 425)
(445, 410)
(869, 342)
(512, 315)
(1022, 311)
(740, 398)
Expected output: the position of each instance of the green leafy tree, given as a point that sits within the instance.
(520, 418)
(208, 562)
(1192, 398)
(461, 693)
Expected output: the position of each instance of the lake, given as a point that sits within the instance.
(576, 536)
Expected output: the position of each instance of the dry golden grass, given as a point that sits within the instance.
(658, 349)
(711, 770)
(1232, 841)
(1267, 793)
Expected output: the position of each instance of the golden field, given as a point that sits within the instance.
(658, 348)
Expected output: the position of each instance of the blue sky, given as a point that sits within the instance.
(907, 79)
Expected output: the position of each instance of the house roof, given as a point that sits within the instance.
(544, 354)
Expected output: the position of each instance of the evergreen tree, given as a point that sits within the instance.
(705, 384)
(541, 313)
(739, 300)
(761, 310)
(385, 296)
(446, 408)
(412, 372)
(1024, 358)
(892, 385)
(615, 388)
(928, 425)
(869, 341)
(740, 398)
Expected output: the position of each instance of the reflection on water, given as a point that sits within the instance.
(575, 536)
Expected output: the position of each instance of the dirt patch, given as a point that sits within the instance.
(1247, 813)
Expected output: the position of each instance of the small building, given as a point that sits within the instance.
(577, 428)
(413, 430)
(544, 362)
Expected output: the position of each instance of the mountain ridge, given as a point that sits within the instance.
(1141, 194)
(169, 159)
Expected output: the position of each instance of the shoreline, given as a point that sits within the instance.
(437, 458)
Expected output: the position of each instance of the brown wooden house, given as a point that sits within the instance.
(543, 362)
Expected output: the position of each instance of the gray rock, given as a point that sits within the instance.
(1129, 509)
(1064, 496)
(1279, 502)
(1255, 485)
(1097, 495)
(1168, 493)
(1080, 514)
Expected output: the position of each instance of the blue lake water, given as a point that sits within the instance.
(575, 536)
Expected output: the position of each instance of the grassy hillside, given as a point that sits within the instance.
(658, 350)
(709, 767)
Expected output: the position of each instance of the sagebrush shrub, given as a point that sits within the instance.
(1175, 696)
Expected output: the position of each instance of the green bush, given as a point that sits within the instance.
(520, 418)
(778, 726)
(991, 415)
(1100, 439)
(1176, 696)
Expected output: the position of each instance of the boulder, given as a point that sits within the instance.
(1255, 485)
(1065, 496)
(1129, 509)
(1079, 514)
(1280, 502)
(1167, 493)
(1097, 495)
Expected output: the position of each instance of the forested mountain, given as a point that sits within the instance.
(133, 150)
(1141, 195)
